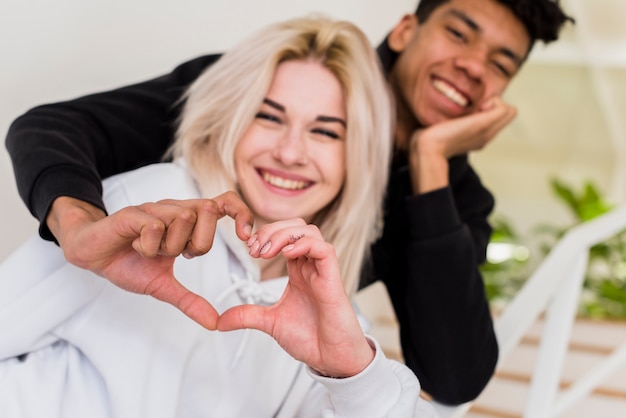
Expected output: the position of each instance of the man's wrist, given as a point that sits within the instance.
(428, 173)
(67, 212)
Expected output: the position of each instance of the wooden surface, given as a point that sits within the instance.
(505, 395)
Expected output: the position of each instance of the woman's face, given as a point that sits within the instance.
(291, 160)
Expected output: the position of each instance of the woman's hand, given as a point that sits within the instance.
(313, 320)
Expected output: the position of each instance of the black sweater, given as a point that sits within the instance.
(428, 255)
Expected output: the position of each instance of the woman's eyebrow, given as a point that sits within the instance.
(273, 104)
(322, 118)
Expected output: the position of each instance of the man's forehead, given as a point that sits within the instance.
(496, 19)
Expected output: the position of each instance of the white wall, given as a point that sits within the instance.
(570, 96)
(56, 50)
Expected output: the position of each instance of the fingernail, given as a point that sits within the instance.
(251, 241)
(266, 247)
(247, 230)
(254, 247)
(288, 248)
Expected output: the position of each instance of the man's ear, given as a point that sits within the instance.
(401, 34)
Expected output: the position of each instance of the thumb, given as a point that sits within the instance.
(194, 306)
(243, 317)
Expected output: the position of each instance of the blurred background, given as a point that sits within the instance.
(562, 161)
(571, 96)
(57, 50)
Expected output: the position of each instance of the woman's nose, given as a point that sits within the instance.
(291, 148)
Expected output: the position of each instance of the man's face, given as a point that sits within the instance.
(466, 52)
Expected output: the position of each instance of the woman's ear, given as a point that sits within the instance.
(402, 33)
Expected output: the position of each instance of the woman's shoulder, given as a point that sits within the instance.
(150, 183)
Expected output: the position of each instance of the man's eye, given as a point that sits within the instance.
(502, 69)
(455, 33)
(268, 117)
(326, 132)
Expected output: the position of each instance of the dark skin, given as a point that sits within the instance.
(448, 82)
(135, 247)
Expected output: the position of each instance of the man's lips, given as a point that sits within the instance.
(451, 93)
(283, 182)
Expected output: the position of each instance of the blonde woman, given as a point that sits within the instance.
(296, 121)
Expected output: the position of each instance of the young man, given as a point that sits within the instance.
(447, 66)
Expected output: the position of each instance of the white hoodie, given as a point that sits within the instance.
(95, 350)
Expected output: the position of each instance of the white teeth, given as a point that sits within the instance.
(450, 93)
(284, 183)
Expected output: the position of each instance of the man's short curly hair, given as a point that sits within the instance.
(543, 19)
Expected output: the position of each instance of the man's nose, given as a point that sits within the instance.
(473, 62)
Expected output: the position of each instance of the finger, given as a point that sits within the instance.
(491, 103)
(194, 306)
(208, 213)
(270, 240)
(313, 249)
(179, 217)
(244, 317)
(231, 204)
(261, 239)
(179, 232)
(133, 223)
(503, 120)
(486, 125)
(314, 263)
(150, 238)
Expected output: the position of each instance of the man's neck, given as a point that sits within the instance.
(406, 124)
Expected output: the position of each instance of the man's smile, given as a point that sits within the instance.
(451, 93)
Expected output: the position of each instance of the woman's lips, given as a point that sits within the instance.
(284, 183)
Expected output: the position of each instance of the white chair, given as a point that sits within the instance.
(554, 288)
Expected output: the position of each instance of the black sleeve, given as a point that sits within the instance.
(428, 258)
(65, 149)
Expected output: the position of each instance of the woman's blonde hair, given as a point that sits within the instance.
(223, 101)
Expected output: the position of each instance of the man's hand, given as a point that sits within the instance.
(135, 247)
(313, 320)
(430, 148)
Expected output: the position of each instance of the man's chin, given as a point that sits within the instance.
(433, 118)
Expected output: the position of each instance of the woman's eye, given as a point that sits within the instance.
(268, 117)
(326, 132)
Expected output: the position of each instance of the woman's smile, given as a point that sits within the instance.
(284, 181)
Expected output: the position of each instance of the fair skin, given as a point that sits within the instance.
(448, 81)
(299, 143)
(313, 320)
(291, 160)
(290, 165)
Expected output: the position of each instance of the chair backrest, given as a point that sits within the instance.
(554, 288)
